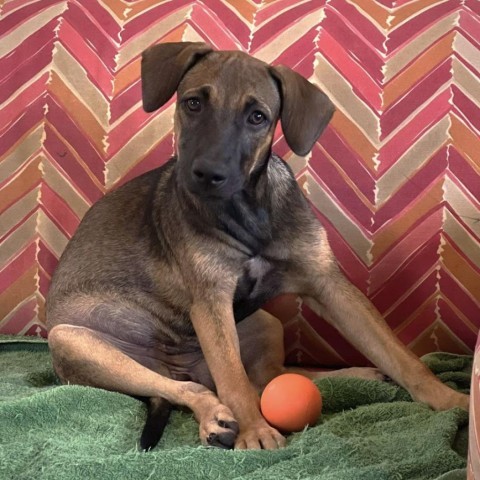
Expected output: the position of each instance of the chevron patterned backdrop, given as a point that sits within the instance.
(395, 178)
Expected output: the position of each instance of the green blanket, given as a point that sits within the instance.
(369, 430)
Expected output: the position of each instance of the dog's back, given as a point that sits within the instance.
(114, 233)
(115, 256)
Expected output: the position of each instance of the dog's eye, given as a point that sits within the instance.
(257, 118)
(194, 104)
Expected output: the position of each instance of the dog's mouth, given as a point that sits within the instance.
(225, 191)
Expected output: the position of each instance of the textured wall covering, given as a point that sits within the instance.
(395, 177)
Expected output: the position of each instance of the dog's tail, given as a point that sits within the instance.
(157, 417)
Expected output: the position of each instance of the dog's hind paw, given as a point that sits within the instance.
(367, 373)
(158, 414)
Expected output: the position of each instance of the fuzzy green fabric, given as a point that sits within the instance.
(369, 430)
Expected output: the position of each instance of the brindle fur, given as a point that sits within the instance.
(158, 293)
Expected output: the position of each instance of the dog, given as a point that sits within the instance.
(159, 293)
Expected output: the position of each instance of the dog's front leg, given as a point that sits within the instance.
(331, 295)
(214, 325)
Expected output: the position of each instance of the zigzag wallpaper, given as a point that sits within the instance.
(395, 178)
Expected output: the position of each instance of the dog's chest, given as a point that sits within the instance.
(261, 280)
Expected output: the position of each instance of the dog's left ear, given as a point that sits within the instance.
(306, 110)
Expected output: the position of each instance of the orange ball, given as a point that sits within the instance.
(290, 402)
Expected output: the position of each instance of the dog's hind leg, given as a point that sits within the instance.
(261, 344)
(81, 356)
(366, 373)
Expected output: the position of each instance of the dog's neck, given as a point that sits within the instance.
(244, 216)
(246, 220)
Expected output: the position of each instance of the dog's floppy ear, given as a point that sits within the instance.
(306, 110)
(163, 67)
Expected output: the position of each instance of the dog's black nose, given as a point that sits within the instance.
(208, 176)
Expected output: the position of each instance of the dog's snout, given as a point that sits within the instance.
(208, 176)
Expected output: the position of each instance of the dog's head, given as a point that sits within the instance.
(228, 104)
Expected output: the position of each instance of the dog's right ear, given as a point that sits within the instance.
(163, 67)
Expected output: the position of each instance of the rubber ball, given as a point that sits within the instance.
(290, 402)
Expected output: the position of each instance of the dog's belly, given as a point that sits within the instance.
(260, 282)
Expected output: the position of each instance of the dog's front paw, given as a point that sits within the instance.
(259, 435)
(451, 399)
(218, 428)
(440, 397)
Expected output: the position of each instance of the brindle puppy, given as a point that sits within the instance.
(158, 293)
